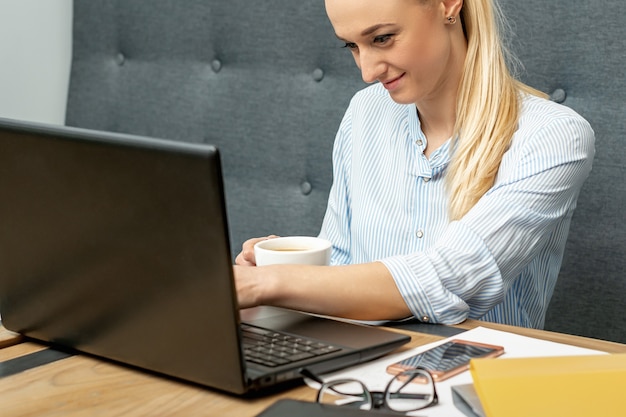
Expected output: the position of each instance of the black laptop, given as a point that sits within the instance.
(117, 246)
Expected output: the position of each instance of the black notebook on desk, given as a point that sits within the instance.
(117, 245)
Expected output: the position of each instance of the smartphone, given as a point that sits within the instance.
(446, 360)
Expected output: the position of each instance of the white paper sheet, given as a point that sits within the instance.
(375, 377)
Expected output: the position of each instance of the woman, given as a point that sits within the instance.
(454, 184)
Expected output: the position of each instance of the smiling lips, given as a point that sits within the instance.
(393, 83)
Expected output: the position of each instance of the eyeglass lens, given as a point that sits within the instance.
(408, 391)
(347, 392)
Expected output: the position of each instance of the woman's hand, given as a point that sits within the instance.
(246, 256)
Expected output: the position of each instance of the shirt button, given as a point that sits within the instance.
(419, 142)
(426, 179)
(419, 234)
(425, 319)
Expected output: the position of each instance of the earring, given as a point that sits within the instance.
(451, 20)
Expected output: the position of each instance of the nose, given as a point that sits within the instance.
(370, 65)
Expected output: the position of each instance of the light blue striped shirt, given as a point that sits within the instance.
(500, 262)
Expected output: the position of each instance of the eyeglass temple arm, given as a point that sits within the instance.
(309, 374)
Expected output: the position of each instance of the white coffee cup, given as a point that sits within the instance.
(293, 250)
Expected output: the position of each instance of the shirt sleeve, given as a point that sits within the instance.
(470, 268)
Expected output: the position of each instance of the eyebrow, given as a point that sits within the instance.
(374, 28)
(369, 30)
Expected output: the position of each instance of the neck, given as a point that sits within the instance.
(437, 126)
(437, 112)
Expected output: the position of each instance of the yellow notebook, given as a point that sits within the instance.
(571, 386)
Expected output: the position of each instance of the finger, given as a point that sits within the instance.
(246, 256)
(241, 260)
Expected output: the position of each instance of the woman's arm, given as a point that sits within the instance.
(360, 292)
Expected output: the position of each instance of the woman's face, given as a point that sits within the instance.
(404, 44)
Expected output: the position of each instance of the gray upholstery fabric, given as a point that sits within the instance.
(267, 83)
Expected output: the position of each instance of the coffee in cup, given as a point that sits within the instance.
(293, 250)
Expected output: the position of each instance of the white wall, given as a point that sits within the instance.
(35, 53)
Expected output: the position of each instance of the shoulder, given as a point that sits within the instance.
(542, 116)
(545, 124)
(548, 135)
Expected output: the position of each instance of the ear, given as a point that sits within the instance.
(452, 7)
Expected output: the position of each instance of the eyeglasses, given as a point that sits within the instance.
(408, 391)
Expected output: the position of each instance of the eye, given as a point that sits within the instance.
(382, 39)
(350, 45)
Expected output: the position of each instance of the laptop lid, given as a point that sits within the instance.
(117, 245)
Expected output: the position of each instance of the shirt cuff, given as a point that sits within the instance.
(422, 291)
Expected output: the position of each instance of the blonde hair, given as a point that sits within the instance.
(488, 107)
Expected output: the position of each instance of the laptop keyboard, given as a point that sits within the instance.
(271, 348)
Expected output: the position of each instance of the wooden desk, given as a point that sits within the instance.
(8, 338)
(84, 386)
